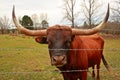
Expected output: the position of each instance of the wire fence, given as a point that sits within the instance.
(33, 49)
(54, 71)
(49, 73)
(55, 75)
(58, 71)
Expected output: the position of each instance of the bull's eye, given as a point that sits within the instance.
(49, 43)
(68, 43)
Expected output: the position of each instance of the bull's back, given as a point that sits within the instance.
(93, 46)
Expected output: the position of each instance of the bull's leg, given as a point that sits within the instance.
(68, 76)
(65, 76)
(98, 68)
(84, 76)
(93, 73)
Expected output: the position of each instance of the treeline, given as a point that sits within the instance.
(29, 22)
(111, 28)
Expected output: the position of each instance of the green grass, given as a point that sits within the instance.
(112, 55)
(21, 58)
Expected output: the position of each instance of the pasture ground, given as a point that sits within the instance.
(21, 58)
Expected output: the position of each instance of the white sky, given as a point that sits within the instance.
(29, 7)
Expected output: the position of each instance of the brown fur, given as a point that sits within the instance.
(82, 59)
(85, 52)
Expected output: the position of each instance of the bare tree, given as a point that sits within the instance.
(35, 19)
(4, 24)
(90, 10)
(69, 6)
(43, 16)
(116, 11)
(44, 20)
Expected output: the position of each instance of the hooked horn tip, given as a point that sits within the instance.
(13, 12)
(107, 15)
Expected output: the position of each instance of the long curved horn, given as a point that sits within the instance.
(27, 31)
(93, 30)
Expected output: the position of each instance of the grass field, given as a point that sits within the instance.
(21, 58)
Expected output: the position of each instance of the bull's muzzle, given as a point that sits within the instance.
(59, 61)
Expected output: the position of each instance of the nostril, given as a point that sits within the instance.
(63, 58)
(54, 59)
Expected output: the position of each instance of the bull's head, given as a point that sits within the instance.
(59, 38)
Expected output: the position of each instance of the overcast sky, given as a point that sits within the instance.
(29, 7)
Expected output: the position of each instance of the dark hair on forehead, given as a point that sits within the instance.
(59, 27)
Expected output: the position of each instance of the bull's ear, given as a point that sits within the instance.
(41, 40)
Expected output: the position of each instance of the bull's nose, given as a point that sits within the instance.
(59, 60)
